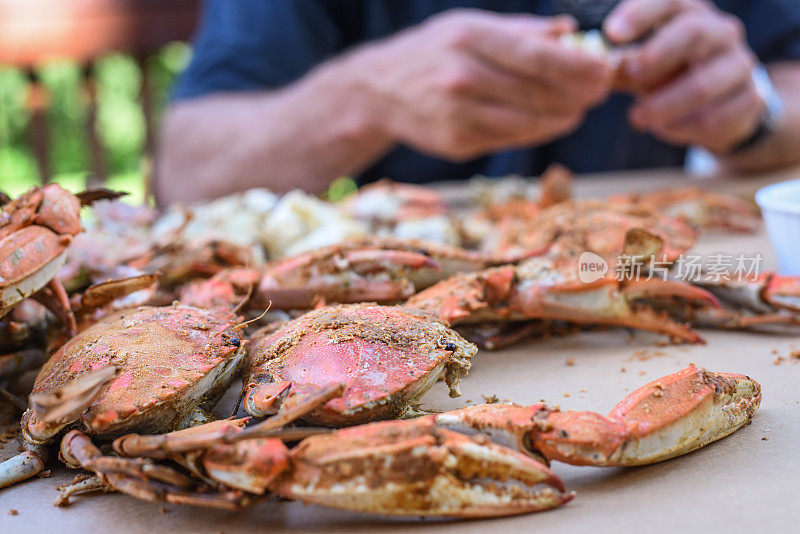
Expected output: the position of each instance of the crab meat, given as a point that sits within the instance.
(386, 357)
(666, 418)
(386, 202)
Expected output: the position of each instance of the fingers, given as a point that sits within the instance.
(545, 60)
(509, 127)
(720, 127)
(471, 77)
(477, 128)
(689, 38)
(634, 19)
(532, 54)
(696, 91)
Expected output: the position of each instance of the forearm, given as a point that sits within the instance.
(302, 136)
(783, 149)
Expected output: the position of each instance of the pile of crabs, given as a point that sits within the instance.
(136, 326)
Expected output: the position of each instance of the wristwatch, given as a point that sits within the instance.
(770, 115)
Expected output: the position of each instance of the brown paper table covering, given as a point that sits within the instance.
(748, 482)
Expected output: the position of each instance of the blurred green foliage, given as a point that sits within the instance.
(340, 188)
(67, 117)
(17, 164)
(120, 121)
(162, 70)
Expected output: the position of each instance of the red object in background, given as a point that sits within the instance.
(32, 31)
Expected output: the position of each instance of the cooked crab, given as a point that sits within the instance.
(589, 225)
(147, 369)
(363, 270)
(403, 468)
(751, 301)
(35, 231)
(699, 207)
(429, 465)
(387, 357)
(539, 288)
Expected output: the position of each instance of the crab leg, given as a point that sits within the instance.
(47, 415)
(666, 418)
(49, 412)
(766, 293)
(23, 466)
(225, 431)
(23, 360)
(86, 484)
(512, 293)
(143, 479)
(414, 467)
(163, 446)
(268, 399)
(54, 298)
(656, 288)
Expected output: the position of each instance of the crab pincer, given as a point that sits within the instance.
(418, 468)
(666, 418)
(765, 299)
(538, 289)
(410, 467)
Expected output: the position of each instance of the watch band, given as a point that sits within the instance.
(770, 115)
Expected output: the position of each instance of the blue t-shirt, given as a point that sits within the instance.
(245, 45)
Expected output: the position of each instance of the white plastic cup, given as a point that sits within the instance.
(780, 206)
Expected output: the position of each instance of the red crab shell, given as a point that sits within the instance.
(35, 231)
(171, 360)
(387, 356)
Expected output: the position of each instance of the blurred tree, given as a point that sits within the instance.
(18, 169)
(67, 119)
(162, 70)
(120, 120)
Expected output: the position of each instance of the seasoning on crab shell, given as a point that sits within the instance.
(171, 363)
(386, 356)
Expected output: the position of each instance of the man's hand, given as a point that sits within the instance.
(468, 82)
(694, 71)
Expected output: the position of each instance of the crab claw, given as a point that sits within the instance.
(783, 292)
(752, 301)
(537, 289)
(51, 411)
(340, 273)
(666, 418)
(655, 288)
(415, 467)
